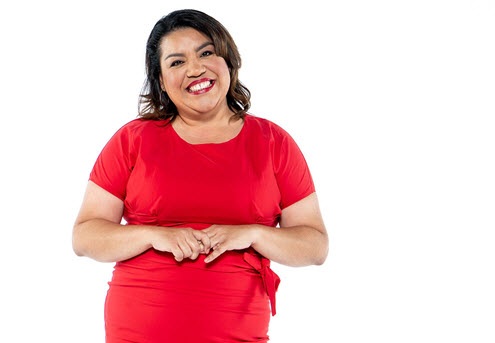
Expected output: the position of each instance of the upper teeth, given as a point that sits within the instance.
(200, 86)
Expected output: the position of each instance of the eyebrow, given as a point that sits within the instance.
(197, 49)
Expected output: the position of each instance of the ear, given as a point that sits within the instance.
(161, 83)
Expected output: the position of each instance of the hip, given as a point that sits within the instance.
(161, 302)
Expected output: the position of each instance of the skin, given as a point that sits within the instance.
(177, 72)
(204, 118)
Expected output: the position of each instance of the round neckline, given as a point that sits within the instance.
(214, 144)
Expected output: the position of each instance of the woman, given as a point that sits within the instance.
(202, 186)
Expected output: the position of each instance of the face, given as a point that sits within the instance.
(194, 77)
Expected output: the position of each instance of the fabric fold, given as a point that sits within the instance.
(270, 279)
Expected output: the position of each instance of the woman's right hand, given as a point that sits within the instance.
(182, 242)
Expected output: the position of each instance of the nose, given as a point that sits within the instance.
(195, 68)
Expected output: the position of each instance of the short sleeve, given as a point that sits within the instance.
(113, 166)
(291, 170)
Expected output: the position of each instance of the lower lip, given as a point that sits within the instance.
(204, 90)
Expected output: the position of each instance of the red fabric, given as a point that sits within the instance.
(165, 181)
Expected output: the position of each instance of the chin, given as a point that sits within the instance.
(205, 108)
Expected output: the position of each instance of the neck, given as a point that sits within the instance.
(198, 120)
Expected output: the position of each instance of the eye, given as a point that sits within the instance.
(207, 53)
(176, 63)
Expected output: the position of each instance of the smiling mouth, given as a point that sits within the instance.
(201, 87)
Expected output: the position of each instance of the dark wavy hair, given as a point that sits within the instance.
(154, 103)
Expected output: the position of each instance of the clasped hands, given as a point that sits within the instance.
(189, 243)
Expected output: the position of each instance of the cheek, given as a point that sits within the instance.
(226, 72)
(221, 68)
(172, 83)
(225, 76)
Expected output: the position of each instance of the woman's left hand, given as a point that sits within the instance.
(229, 237)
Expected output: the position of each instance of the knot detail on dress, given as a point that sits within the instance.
(270, 279)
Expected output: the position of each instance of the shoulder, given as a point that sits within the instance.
(267, 128)
(139, 127)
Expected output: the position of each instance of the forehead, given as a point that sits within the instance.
(183, 39)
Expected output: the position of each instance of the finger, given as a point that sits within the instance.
(194, 255)
(217, 239)
(201, 248)
(203, 237)
(206, 241)
(215, 243)
(195, 248)
(178, 255)
(193, 242)
(186, 250)
(218, 250)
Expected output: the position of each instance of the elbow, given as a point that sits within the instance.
(321, 260)
(77, 251)
(322, 256)
(76, 248)
(76, 242)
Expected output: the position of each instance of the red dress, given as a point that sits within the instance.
(165, 181)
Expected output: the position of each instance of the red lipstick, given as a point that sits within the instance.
(201, 91)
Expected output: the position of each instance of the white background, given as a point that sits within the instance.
(392, 103)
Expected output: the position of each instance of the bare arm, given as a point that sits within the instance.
(98, 234)
(301, 240)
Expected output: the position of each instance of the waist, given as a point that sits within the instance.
(228, 262)
(236, 269)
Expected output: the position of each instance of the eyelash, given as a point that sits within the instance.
(176, 63)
